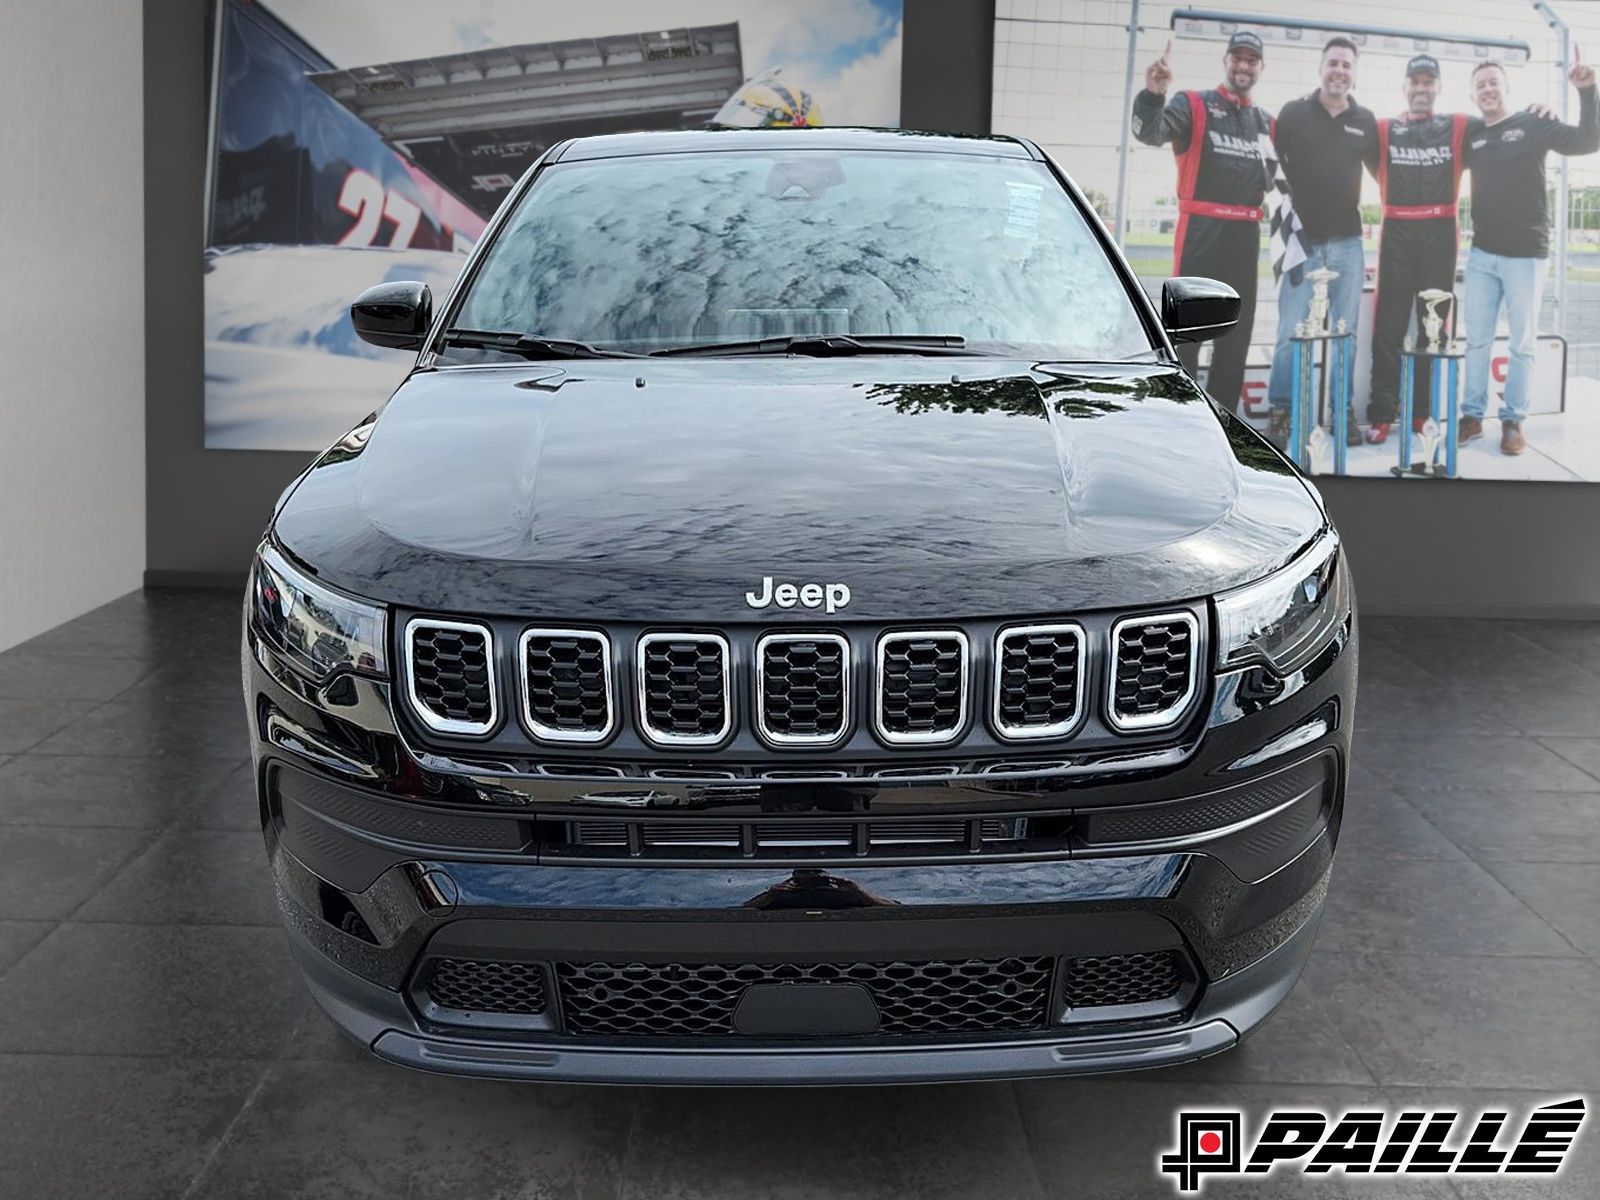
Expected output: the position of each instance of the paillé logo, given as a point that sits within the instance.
(1417, 1143)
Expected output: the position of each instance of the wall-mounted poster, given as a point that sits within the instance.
(1406, 199)
(371, 140)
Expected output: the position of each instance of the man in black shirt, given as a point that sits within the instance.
(1222, 177)
(1421, 157)
(1511, 237)
(1323, 141)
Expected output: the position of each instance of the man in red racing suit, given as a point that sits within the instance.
(1419, 178)
(1222, 179)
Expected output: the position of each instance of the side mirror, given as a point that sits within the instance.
(394, 315)
(1197, 310)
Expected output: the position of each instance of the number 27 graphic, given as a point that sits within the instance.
(365, 199)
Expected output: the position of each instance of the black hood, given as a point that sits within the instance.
(946, 488)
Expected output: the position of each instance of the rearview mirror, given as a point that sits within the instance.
(393, 315)
(1197, 310)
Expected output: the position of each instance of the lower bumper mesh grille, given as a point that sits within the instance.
(1117, 979)
(699, 999)
(468, 985)
(693, 1000)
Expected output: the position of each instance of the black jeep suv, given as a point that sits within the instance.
(797, 622)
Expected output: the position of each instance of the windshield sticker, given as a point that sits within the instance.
(1022, 210)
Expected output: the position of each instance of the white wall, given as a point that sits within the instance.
(72, 295)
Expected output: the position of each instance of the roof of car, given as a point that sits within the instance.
(684, 141)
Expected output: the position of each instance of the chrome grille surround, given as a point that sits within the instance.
(1081, 671)
(419, 707)
(802, 739)
(551, 733)
(669, 738)
(1171, 713)
(921, 737)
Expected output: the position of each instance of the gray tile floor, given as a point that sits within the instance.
(155, 1040)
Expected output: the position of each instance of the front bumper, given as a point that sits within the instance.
(1231, 1008)
(1222, 860)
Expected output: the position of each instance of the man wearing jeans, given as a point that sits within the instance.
(1323, 141)
(1511, 237)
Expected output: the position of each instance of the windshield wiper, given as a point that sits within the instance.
(828, 345)
(529, 345)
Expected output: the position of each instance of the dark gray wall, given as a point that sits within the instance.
(204, 510)
(1462, 548)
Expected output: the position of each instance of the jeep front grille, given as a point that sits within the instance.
(1039, 673)
(684, 697)
(450, 675)
(802, 688)
(922, 686)
(566, 685)
(1156, 670)
(775, 702)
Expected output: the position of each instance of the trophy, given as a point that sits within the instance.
(1428, 443)
(1320, 279)
(1320, 393)
(1432, 322)
(1319, 446)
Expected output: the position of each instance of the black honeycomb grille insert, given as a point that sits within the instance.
(450, 673)
(803, 688)
(1040, 674)
(699, 999)
(470, 985)
(567, 688)
(922, 682)
(684, 689)
(1155, 660)
(1116, 979)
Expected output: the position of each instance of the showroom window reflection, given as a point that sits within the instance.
(671, 250)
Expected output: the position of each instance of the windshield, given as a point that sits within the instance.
(672, 250)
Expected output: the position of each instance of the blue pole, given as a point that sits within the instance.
(1436, 399)
(1294, 402)
(1453, 419)
(1408, 370)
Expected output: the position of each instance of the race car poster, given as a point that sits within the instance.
(371, 140)
(1406, 199)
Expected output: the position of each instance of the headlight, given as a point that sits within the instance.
(318, 630)
(1286, 618)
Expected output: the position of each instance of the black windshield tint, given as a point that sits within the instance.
(672, 250)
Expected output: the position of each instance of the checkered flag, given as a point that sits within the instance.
(1287, 242)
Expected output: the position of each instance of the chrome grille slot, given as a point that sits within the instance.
(450, 680)
(774, 834)
(684, 697)
(691, 833)
(610, 834)
(1156, 670)
(915, 833)
(1039, 680)
(922, 686)
(566, 685)
(802, 688)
